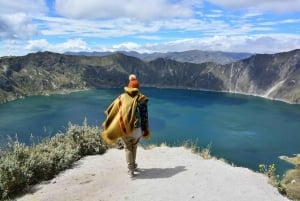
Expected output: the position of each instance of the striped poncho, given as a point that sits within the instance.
(121, 115)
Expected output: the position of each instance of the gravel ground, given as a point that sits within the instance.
(167, 174)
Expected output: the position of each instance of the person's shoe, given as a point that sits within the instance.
(137, 170)
(131, 173)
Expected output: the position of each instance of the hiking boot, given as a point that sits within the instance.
(136, 169)
(131, 173)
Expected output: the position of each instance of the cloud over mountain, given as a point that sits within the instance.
(158, 25)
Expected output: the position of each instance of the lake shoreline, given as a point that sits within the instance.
(68, 91)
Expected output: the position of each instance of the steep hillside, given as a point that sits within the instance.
(192, 56)
(38, 73)
(272, 76)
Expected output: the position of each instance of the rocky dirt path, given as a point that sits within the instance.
(167, 174)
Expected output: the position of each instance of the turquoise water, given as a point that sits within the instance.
(244, 130)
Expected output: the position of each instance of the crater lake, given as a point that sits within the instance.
(244, 130)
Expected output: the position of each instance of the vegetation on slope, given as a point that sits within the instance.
(291, 181)
(22, 165)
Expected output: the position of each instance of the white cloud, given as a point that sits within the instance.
(275, 23)
(12, 48)
(15, 18)
(252, 44)
(92, 28)
(124, 27)
(150, 37)
(114, 28)
(105, 22)
(133, 9)
(16, 26)
(37, 45)
(267, 5)
(214, 14)
(22, 6)
(128, 46)
(73, 44)
(252, 14)
(69, 45)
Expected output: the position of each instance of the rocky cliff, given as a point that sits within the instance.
(275, 76)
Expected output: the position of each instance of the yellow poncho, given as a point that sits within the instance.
(121, 115)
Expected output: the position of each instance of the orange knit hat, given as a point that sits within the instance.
(133, 82)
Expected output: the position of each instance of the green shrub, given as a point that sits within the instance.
(50, 157)
(14, 174)
(22, 165)
(87, 139)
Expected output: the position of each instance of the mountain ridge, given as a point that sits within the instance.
(191, 56)
(273, 76)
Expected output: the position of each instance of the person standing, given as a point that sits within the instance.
(127, 118)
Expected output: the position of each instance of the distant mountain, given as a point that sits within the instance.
(192, 56)
(274, 76)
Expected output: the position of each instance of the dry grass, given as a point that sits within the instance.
(291, 181)
(204, 152)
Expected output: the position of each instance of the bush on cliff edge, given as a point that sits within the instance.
(22, 165)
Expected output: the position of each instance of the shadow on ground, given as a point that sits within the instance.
(155, 173)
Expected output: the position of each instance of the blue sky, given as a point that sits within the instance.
(254, 26)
